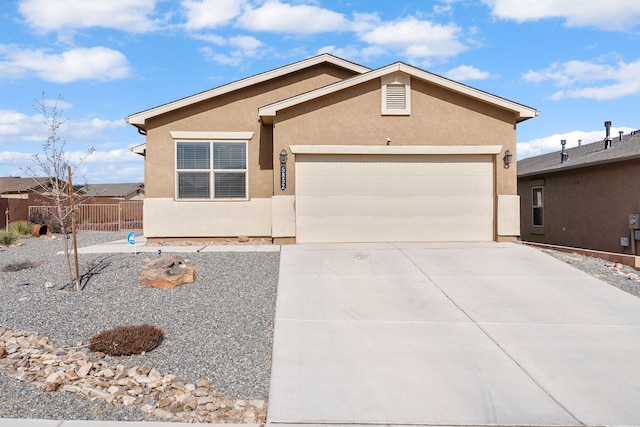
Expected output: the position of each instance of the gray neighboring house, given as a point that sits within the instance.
(126, 191)
(584, 197)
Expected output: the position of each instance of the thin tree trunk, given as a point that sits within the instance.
(65, 244)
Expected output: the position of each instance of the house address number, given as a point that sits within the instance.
(283, 177)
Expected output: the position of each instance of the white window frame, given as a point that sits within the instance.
(535, 206)
(396, 80)
(212, 171)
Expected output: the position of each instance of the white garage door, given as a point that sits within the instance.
(394, 198)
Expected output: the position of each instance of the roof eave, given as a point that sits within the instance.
(568, 166)
(522, 111)
(139, 119)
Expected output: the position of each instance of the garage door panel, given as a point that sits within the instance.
(394, 198)
(398, 207)
(394, 230)
(396, 186)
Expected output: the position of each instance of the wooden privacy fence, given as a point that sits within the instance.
(103, 217)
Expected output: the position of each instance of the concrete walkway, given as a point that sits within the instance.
(450, 334)
(123, 246)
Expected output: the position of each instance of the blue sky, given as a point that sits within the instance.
(576, 61)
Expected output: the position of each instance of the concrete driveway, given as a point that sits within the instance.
(450, 334)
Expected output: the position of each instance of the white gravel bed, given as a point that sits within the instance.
(621, 276)
(219, 328)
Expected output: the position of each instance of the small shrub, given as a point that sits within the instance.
(8, 238)
(126, 340)
(22, 228)
(22, 265)
(40, 217)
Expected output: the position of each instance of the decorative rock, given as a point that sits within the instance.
(84, 370)
(50, 368)
(243, 239)
(52, 387)
(167, 271)
(161, 413)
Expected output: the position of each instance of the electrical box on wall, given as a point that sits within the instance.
(634, 221)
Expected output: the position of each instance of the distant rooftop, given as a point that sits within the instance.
(586, 155)
(16, 184)
(111, 190)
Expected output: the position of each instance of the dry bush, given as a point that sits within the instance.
(22, 265)
(126, 340)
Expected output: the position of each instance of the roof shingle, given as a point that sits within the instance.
(586, 155)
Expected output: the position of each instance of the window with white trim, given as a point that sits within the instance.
(211, 170)
(396, 94)
(537, 198)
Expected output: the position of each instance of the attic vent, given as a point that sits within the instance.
(396, 94)
(396, 97)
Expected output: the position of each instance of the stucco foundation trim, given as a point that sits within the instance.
(405, 149)
(211, 135)
(164, 217)
(508, 215)
(283, 216)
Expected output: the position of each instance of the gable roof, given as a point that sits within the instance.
(138, 119)
(111, 190)
(523, 112)
(584, 156)
(15, 184)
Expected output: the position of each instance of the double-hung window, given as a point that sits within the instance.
(211, 170)
(537, 194)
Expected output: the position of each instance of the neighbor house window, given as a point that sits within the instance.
(211, 170)
(538, 206)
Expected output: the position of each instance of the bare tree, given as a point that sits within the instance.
(53, 163)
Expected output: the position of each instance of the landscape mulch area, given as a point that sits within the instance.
(619, 275)
(213, 364)
(217, 333)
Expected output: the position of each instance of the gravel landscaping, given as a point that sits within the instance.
(219, 328)
(621, 276)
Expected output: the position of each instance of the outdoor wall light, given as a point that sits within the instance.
(508, 157)
(283, 156)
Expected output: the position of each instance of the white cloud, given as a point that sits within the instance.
(416, 39)
(120, 165)
(95, 63)
(618, 15)
(211, 13)
(245, 47)
(591, 80)
(16, 127)
(467, 72)
(13, 158)
(277, 17)
(538, 146)
(133, 16)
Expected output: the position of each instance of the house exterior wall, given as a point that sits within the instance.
(353, 116)
(584, 208)
(438, 117)
(232, 112)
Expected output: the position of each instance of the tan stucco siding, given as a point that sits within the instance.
(583, 208)
(166, 218)
(233, 112)
(438, 117)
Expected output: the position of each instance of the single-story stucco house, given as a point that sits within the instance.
(584, 197)
(325, 150)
